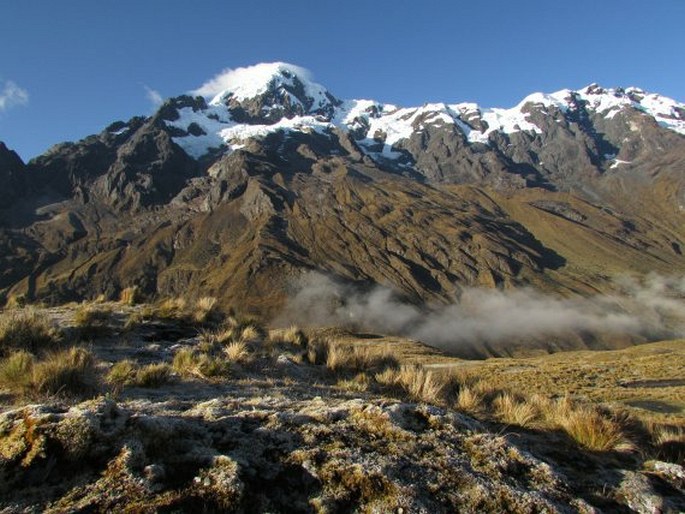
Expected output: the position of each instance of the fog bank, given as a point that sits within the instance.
(653, 307)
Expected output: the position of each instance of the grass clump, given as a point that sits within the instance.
(92, 320)
(514, 410)
(26, 329)
(153, 375)
(128, 373)
(191, 363)
(340, 357)
(16, 301)
(130, 296)
(469, 399)
(16, 372)
(238, 352)
(92, 315)
(292, 335)
(206, 310)
(590, 427)
(203, 311)
(122, 374)
(69, 373)
(358, 384)
(669, 443)
(171, 309)
(414, 381)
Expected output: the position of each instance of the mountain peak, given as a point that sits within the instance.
(268, 92)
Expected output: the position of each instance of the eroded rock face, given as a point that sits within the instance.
(12, 176)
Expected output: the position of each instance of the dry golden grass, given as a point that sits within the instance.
(589, 426)
(341, 356)
(291, 335)
(26, 329)
(414, 380)
(669, 443)
(469, 399)
(238, 352)
(69, 372)
(122, 373)
(359, 383)
(88, 315)
(171, 308)
(646, 379)
(218, 337)
(128, 373)
(205, 309)
(514, 410)
(191, 363)
(16, 301)
(130, 296)
(153, 375)
(16, 372)
(250, 334)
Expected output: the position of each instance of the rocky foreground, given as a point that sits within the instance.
(277, 424)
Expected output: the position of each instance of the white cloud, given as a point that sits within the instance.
(154, 96)
(11, 95)
(246, 78)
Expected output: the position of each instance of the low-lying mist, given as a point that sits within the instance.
(649, 309)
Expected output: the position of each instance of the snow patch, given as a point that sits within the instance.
(617, 163)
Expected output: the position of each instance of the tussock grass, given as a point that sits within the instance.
(238, 352)
(415, 381)
(190, 363)
(92, 320)
(16, 372)
(292, 335)
(201, 312)
(89, 315)
(469, 399)
(340, 356)
(130, 296)
(69, 372)
(128, 373)
(153, 375)
(26, 329)
(122, 373)
(16, 301)
(359, 383)
(251, 334)
(171, 309)
(205, 310)
(234, 330)
(590, 427)
(669, 443)
(514, 410)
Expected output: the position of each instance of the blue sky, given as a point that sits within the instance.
(68, 69)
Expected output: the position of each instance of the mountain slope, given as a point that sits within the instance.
(238, 192)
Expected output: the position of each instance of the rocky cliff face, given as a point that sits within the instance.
(12, 176)
(237, 193)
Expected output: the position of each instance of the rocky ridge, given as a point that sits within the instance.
(268, 175)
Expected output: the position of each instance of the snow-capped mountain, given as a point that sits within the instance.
(256, 101)
(236, 188)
